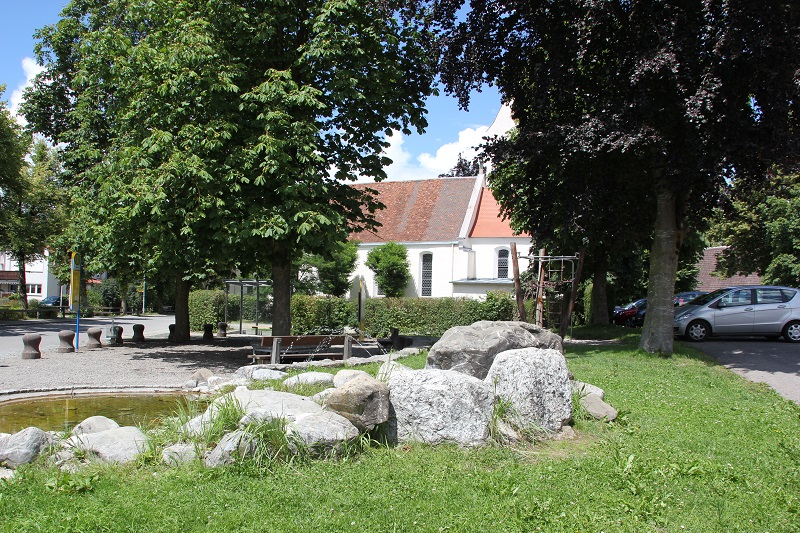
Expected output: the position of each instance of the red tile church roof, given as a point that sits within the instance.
(489, 223)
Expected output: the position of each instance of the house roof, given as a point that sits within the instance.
(488, 222)
(708, 264)
(430, 210)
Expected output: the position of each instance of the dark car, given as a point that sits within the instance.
(683, 298)
(624, 316)
(53, 301)
(637, 320)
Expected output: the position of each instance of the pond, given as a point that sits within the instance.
(63, 412)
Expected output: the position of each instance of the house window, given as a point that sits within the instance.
(34, 289)
(502, 263)
(427, 274)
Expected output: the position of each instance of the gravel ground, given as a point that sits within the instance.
(154, 364)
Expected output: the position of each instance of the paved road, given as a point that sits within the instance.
(11, 332)
(775, 363)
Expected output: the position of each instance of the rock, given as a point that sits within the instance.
(6, 473)
(566, 433)
(310, 378)
(472, 349)
(322, 396)
(94, 424)
(230, 447)
(201, 376)
(343, 376)
(322, 433)
(119, 445)
(363, 400)
(180, 453)
(435, 406)
(263, 415)
(597, 408)
(391, 367)
(260, 372)
(536, 382)
(582, 389)
(22, 447)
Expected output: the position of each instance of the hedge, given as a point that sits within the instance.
(206, 307)
(249, 308)
(322, 315)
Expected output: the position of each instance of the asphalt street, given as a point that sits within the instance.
(11, 332)
(775, 363)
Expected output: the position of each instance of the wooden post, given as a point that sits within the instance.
(539, 321)
(517, 285)
(276, 350)
(348, 347)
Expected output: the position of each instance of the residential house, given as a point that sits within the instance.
(457, 243)
(708, 282)
(40, 282)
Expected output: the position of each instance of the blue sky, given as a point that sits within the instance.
(451, 131)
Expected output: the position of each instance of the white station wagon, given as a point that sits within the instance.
(768, 311)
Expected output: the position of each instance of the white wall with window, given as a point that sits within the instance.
(39, 281)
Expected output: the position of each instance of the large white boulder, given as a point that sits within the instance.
(94, 424)
(536, 382)
(436, 406)
(363, 400)
(323, 433)
(118, 445)
(22, 447)
(472, 349)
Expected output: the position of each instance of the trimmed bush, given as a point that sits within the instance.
(322, 315)
(206, 307)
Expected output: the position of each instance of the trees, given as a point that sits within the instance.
(389, 262)
(464, 167)
(685, 95)
(13, 147)
(204, 135)
(32, 212)
(762, 230)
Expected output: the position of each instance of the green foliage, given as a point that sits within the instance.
(111, 293)
(314, 314)
(330, 273)
(206, 307)
(762, 230)
(389, 262)
(250, 303)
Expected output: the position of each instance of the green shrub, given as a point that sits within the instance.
(248, 305)
(206, 307)
(94, 298)
(389, 262)
(322, 314)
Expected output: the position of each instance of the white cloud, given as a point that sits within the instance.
(31, 69)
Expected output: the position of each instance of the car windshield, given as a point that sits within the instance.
(710, 297)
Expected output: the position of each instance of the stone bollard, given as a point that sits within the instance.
(208, 332)
(116, 337)
(138, 333)
(66, 341)
(171, 336)
(31, 342)
(94, 338)
(222, 329)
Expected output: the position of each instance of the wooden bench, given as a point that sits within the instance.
(289, 348)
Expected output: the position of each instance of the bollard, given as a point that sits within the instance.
(138, 333)
(208, 332)
(171, 336)
(222, 329)
(94, 338)
(31, 342)
(66, 339)
(116, 338)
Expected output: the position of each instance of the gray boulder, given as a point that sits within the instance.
(310, 378)
(390, 367)
(322, 433)
(22, 447)
(582, 389)
(94, 424)
(234, 445)
(119, 445)
(259, 372)
(472, 349)
(597, 408)
(180, 453)
(536, 382)
(343, 376)
(363, 400)
(436, 406)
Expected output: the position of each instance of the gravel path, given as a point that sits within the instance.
(153, 364)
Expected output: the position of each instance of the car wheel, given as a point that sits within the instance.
(791, 332)
(697, 331)
(629, 323)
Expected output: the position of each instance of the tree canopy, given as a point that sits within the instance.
(389, 262)
(679, 98)
(207, 135)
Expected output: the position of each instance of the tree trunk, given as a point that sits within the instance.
(281, 291)
(182, 289)
(657, 336)
(22, 289)
(599, 310)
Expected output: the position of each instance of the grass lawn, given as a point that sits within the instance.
(696, 448)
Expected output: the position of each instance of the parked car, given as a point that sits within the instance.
(624, 316)
(637, 320)
(49, 301)
(763, 310)
(683, 298)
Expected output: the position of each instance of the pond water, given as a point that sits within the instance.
(58, 413)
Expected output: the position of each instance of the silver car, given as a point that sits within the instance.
(748, 310)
